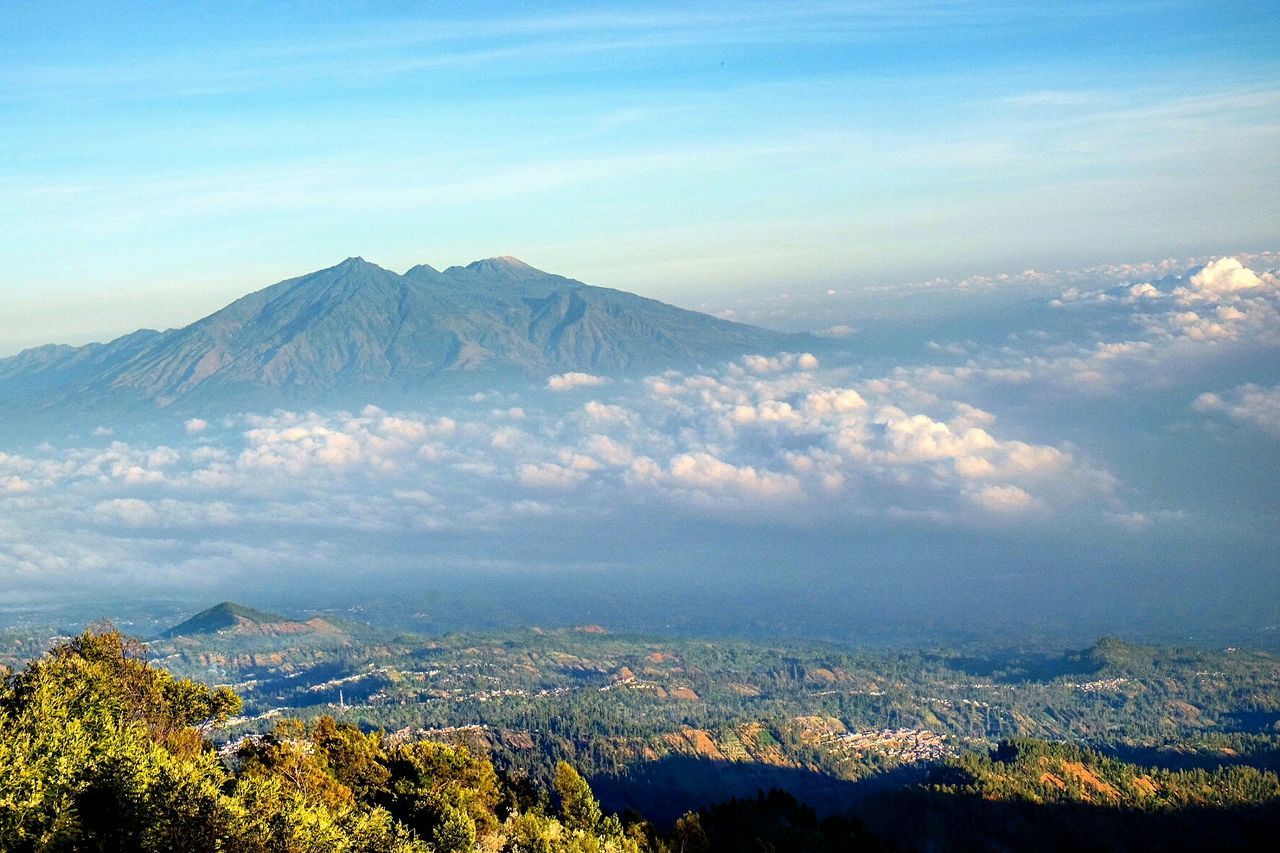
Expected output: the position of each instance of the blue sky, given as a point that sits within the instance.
(155, 163)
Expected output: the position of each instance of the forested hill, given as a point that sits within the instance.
(100, 751)
(1032, 794)
(236, 618)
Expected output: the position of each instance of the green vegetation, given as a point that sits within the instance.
(805, 716)
(220, 617)
(99, 750)
(231, 617)
(1029, 793)
(487, 742)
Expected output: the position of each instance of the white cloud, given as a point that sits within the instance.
(14, 485)
(130, 511)
(1225, 275)
(297, 448)
(777, 363)
(915, 438)
(1250, 404)
(507, 438)
(975, 467)
(703, 471)
(832, 401)
(1034, 458)
(1145, 290)
(569, 381)
(606, 412)
(1004, 499)
(607, 450)
(578, 461)
(548, 475)
(1136, 335)
(414, 496)
(970, 416)
(134, 512)
(195, 425)
(406, 429)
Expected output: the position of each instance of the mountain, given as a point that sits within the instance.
(236, 618)
(356, 331)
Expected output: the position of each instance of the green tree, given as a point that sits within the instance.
(690, 837)
(455, 833)
(577, 804)
(427, 780)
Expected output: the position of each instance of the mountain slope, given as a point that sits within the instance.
(356, 329)
(231, 617)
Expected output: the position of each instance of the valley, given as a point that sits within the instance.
(667, 724)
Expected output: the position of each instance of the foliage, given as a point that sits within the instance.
(1027, 793)
(99, 750)
(577, 803)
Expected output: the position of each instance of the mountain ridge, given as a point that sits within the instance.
(357, 328)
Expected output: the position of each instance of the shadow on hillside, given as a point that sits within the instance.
(895, 811)
(662, 790)
(922, 819)
(1169, 758)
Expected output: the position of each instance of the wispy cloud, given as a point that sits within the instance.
(1249, 404)
(523, 44)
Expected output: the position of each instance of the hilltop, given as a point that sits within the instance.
(229, 617)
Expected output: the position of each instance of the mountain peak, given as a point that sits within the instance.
(503, 262)
(501, 268)
(236, 618)
(355, 262)
(357, 331)
(354, 265)
(220, 617)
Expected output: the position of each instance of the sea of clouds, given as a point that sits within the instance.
(1023, 425)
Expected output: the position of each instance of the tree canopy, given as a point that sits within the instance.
(100, 750)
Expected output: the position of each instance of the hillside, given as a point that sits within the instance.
(664, 724)
(99, 749)
(1029, 793)
(356, 331)
(229, 617)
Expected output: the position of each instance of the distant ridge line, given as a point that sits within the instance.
(356, 332)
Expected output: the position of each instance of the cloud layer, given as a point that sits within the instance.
(1065, 429)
